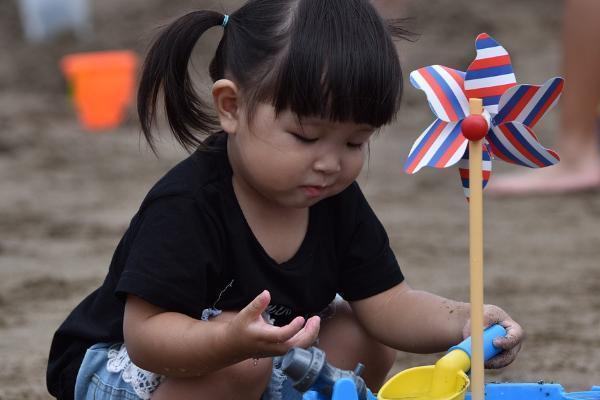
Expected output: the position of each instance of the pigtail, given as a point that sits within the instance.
(166, 68)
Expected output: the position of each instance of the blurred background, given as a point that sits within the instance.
(67, 194)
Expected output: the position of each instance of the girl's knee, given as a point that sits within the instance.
(247, 379)
(388, 356)
(347, 343)
(344, 330)
(250, 373)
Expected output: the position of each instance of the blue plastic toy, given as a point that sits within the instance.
(535, 391)
(312, 375)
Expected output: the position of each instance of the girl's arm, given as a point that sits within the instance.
(413, 320)
(174, 344)
(421, 322)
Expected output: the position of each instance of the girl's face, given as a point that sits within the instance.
(293, 164)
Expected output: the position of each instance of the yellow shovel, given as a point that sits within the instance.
(447, 379)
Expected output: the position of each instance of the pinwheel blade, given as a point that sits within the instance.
(486, 169)
(516, 143)
(528, 103)
(444, 89)
(490, 74)
(440, 145)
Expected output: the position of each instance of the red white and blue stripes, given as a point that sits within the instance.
(490, 74)
(440, 145)
(511, 112)
(528, 103)
(444, 89)
(486, 168)
(516, 143)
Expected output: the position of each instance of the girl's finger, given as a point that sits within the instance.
(256, 306)
(503, 359)
(307, 335)
(514, 336)
(493, 315)
(281, 334)
(467, 329)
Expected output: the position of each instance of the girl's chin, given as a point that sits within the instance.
(302, 202)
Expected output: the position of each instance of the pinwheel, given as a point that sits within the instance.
(511, 111)
(481, 114)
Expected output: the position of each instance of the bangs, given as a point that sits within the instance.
(341, 65)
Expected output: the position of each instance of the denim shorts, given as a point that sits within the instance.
(98, 380)
(107, 373)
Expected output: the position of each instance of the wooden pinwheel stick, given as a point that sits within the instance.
(475, 127)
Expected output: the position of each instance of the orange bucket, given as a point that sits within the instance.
(102, 86)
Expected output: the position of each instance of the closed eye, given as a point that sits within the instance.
(303, 139)
(355, 145)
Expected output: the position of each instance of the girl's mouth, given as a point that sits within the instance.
(312, 191)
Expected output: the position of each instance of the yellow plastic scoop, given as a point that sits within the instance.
(447, 379)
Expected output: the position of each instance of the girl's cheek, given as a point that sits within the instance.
(357, 162)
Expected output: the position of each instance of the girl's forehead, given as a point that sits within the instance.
(326, 123)
(314, 121)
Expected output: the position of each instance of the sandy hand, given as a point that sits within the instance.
(510, 344)
(253, 337)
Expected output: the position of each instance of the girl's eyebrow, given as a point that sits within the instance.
(364, 129)
(319, 122)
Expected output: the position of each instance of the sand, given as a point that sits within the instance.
(67, 195)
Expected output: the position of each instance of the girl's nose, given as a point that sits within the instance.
(328, 164)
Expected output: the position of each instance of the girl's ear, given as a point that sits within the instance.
(226, 98)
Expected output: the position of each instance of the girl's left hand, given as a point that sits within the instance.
(510, 344)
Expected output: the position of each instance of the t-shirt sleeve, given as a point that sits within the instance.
(173, 256)
(369, 265)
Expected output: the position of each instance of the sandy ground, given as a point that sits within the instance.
(66, 195)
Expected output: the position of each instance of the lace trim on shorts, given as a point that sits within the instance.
(143, 382)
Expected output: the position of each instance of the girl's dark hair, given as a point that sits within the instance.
(333, 59)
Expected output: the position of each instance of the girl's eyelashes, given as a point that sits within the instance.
(303, 139)
(355, 145)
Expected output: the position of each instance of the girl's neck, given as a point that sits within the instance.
(254, 203)
(279, 230)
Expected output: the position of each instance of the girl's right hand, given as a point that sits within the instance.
(253, 337)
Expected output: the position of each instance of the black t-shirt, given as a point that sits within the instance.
(189, 248)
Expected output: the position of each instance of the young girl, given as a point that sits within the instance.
(237, 254)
